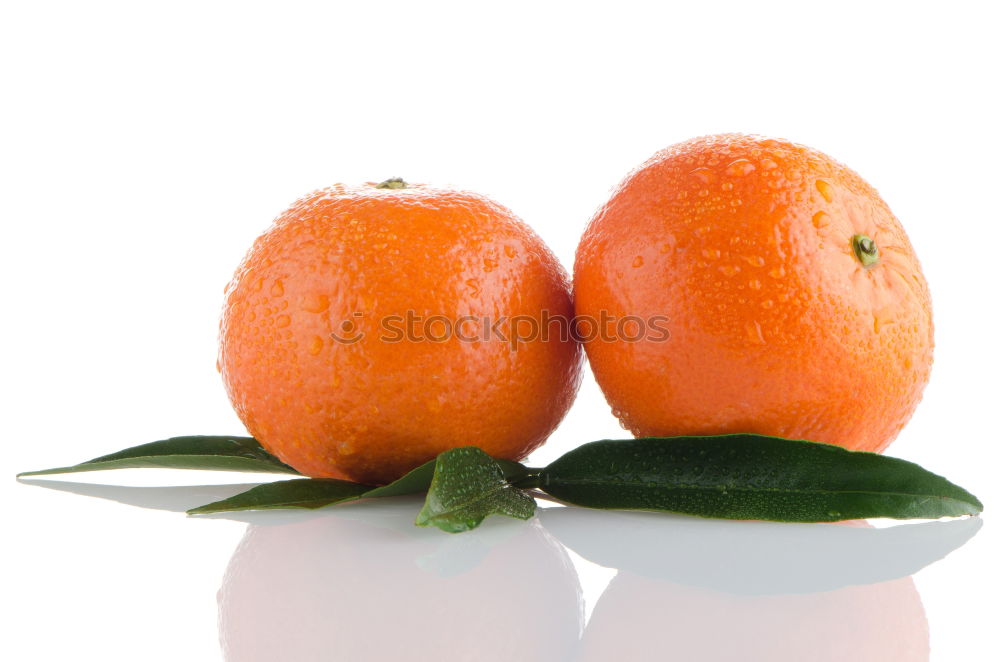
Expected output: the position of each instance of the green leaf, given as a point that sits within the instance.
(413, 482)
(297, 493)
(195, 452)
(316, 493)
(745, 476)
(468, 486)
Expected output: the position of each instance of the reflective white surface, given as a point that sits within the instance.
(360, 581)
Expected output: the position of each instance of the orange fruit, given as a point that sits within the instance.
(372, 327)
(796, 305)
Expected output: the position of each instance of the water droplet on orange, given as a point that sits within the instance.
(754, 334)
(729, 269)
(768, 164)
(637, 262)
(821, 219)
(703, 175)
(315, 303)
(474, 286)
(510, 251)
(883, 319)
(315, 345)
(740, 168)
(282, 321)
(825, 189)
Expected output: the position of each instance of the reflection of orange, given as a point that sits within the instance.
(797, 306)
(335, 589)
(358, 262)
(640, 619)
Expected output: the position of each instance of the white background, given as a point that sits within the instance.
(143, 146)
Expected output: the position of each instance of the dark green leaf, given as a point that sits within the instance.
(512, 471)
(297, 493)
(307, 493)
(315, 493)
(195, 452)
(468, 486)
(744, 476)
(413, 482)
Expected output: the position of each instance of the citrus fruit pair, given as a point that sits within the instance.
(766, 289)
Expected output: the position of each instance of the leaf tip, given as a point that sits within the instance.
(425, 519)
(37, 472)
(446, 525)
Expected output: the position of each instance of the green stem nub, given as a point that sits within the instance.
(393, 183)
(865, 249)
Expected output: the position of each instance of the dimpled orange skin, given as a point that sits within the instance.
(776, 327)
(372, 409)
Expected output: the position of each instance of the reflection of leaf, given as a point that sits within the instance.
(468, 486)
(196, 452)
(754, 558)
(174, 499)
(744, 476)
